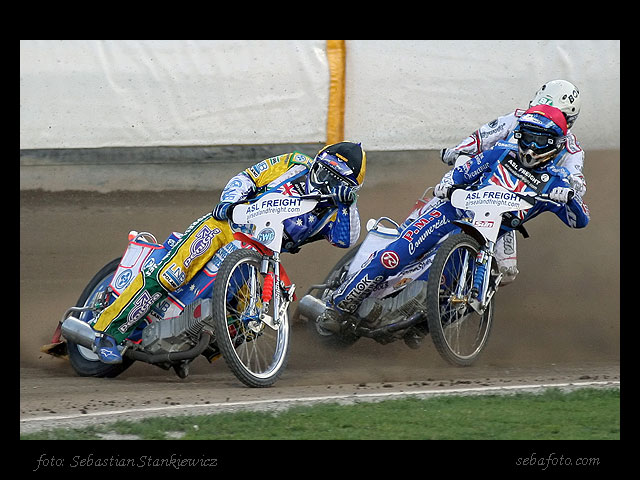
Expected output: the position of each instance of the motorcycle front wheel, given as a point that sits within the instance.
(256, 353)
(458, 331)
(83, 360)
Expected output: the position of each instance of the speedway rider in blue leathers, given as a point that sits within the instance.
(526, 167)
(337, 169)
(561, 94)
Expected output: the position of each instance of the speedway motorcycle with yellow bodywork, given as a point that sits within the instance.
(235, 307)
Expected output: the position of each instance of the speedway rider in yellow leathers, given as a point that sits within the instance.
(338, 169)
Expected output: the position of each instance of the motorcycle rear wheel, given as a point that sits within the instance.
(84, 361)
(256, 354)
(459, 333)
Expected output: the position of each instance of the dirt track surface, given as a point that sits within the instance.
(559, 322)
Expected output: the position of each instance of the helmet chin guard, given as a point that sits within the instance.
(529, 158)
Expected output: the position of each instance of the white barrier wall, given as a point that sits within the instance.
(400, 95)
(128, 93)
(405, 95)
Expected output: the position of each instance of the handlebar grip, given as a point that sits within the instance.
(454, 187)
(318, 196)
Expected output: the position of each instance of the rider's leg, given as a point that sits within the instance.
(506, 257)
(415, 240)
(187, 257)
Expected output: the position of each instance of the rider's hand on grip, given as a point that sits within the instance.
(441, 190)
(222, 211)
(561, 194)
(344, 194)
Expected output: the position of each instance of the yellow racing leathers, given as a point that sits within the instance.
(339, 224)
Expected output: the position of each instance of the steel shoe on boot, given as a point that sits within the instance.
(329, 321)
(508, 274)
(107, 349)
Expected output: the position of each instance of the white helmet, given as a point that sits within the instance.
(562, 95)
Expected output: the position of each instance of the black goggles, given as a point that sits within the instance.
(535, 140)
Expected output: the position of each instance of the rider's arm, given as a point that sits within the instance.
(575, 212)
(262, 173)
(238, 188)
(483, 138)
(573, 161)
(472, 169)
(343, 228)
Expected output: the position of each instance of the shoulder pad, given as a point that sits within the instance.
(572, 146)
(557, 171)
(297, 158)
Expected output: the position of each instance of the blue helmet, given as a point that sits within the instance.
(541, 134)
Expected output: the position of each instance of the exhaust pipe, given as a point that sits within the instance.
(79, 332)
(173, 357)
(310, 307)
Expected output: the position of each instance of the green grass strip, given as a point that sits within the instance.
(584, 414)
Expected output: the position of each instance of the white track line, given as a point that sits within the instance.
(285, 402)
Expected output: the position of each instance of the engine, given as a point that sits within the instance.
(179, 333)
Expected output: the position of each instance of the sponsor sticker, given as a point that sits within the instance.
(140, 308)
(266, 235)
(123, 279)
(389, 259)
(201, 243)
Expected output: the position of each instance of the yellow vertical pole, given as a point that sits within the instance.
(336, 55)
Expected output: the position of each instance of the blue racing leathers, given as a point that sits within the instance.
(499, 166)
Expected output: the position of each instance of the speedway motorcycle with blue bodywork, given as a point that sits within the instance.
(235, 307)
(448, 293)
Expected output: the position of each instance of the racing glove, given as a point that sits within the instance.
(561, 194)
(344, 194)
(449, 155)
(441, 190)
(222, 211)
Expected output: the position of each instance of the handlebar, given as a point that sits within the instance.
(457, 186)
(544, 197)
(318, 196)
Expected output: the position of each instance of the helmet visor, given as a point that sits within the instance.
(321, 176)
(329, 172)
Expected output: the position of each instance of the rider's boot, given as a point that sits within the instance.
(330, 320)
(107, 349)
(333, 319)
(379, 313)
(181, 369)
(507, 257)
(509, 274)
